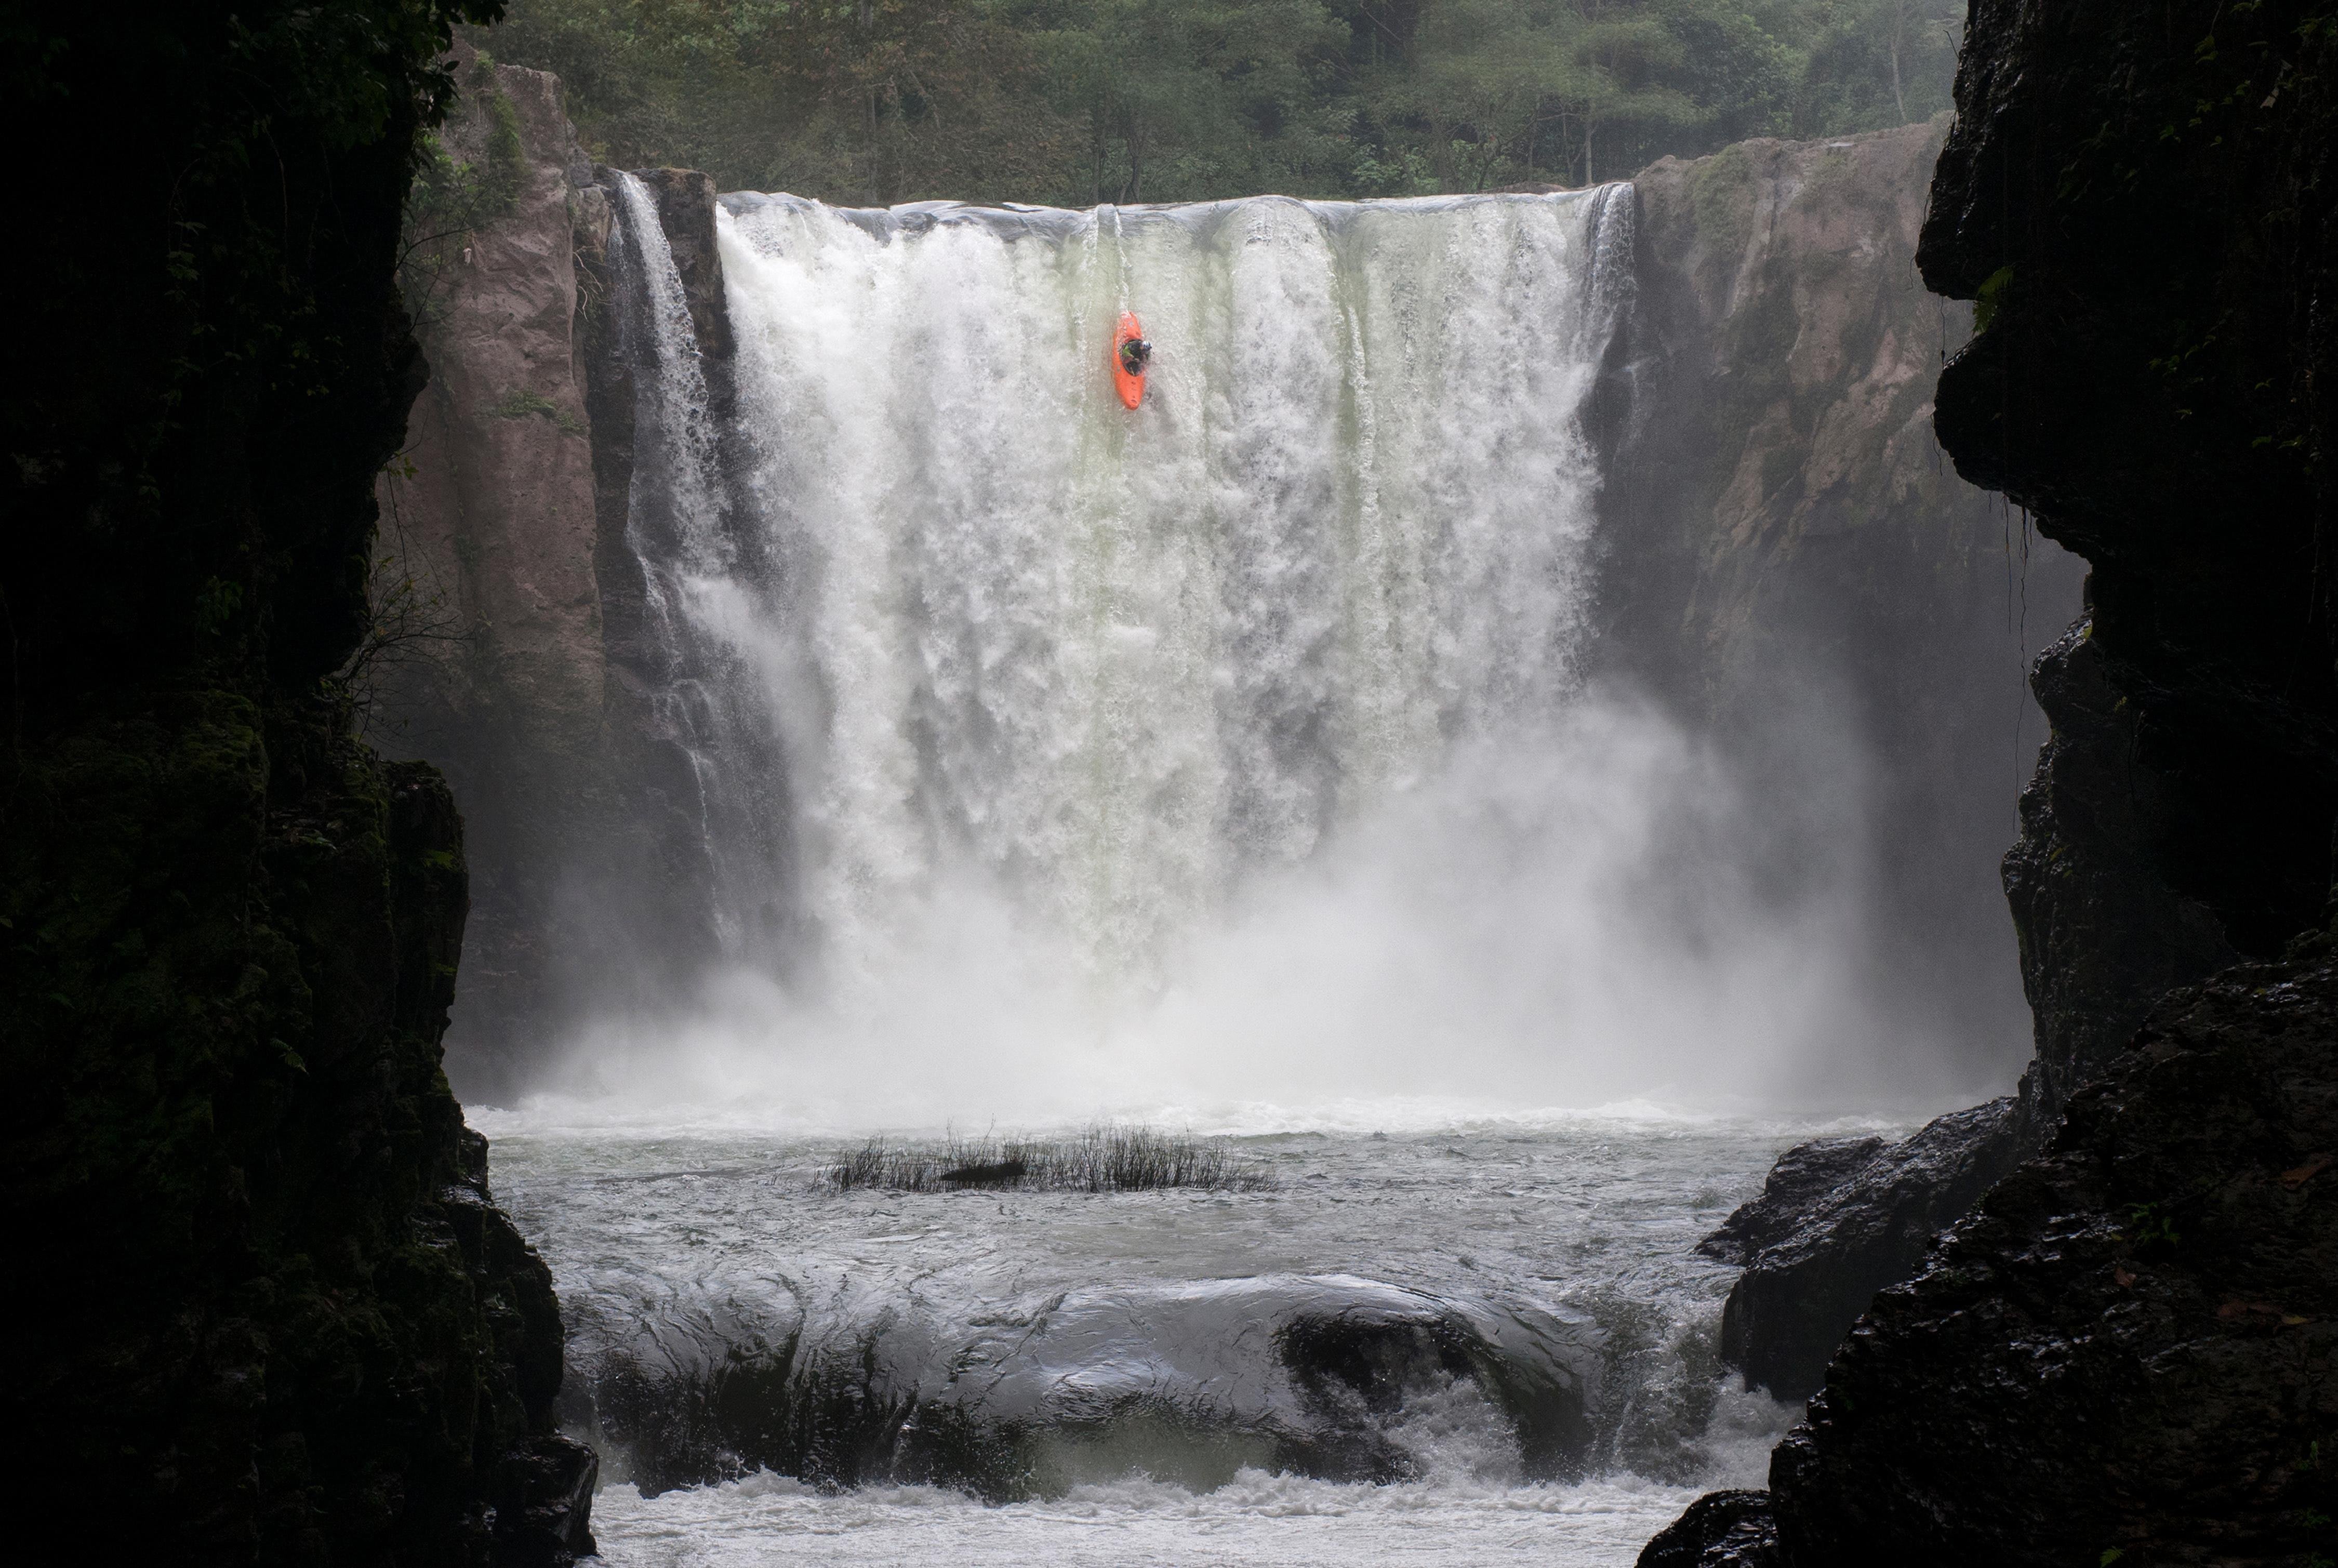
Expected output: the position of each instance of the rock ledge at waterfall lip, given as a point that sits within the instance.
(1300, 1372)
(1014, 217)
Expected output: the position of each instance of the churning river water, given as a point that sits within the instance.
(1456, 1342)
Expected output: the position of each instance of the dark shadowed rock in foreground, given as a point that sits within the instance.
(2133, 1344)
(1720, 1530)
(1837, 1221)
(2103, 935)
(2126, 1353)
(279, 1317)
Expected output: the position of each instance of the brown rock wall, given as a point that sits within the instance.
(1803, 570)
(537, 679)
(1799, 350)
(492, 517)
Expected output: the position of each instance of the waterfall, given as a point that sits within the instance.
(1042, 742)
(1105, 664)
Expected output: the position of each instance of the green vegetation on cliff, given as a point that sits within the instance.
(1076, 101)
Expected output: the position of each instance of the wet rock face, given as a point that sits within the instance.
(281, 1318)
(2130, 1345)
(1838, 1220)
(511, 514)
(1720, 1530)
(1804, 1178)
(2142, 198)
(491, 516)
(685, 204)
(2103, 935)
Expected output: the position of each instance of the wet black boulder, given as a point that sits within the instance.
(2130, 1346)
(1720, 1530)
(1837, 1221)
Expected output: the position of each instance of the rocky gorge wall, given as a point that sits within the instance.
(2124, 1353)
(1795, 565)
(490, 518)
(535, 683)
(1798, 566)
(273, 1313)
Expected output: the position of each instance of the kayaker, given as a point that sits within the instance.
(1134, 355)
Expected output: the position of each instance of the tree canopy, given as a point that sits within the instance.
(1076, 101)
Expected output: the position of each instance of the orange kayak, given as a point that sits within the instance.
(1130, 385)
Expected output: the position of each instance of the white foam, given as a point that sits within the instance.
(1257, 1518)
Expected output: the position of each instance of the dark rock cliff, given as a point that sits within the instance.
(2129, 1346)
(2124, 1353)
(277, 1316)
(2103, 933)
(2141, 201)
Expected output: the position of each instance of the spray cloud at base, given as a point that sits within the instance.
(1570, 921)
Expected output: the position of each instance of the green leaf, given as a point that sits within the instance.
(1991, 297)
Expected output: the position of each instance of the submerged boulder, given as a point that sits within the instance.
(1028, 1395)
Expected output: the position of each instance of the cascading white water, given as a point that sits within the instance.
(1113, 662)
(1057, 754)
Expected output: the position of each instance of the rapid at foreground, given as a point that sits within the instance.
(1446, 1342)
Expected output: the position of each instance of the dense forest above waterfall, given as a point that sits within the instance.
(1080, 102)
